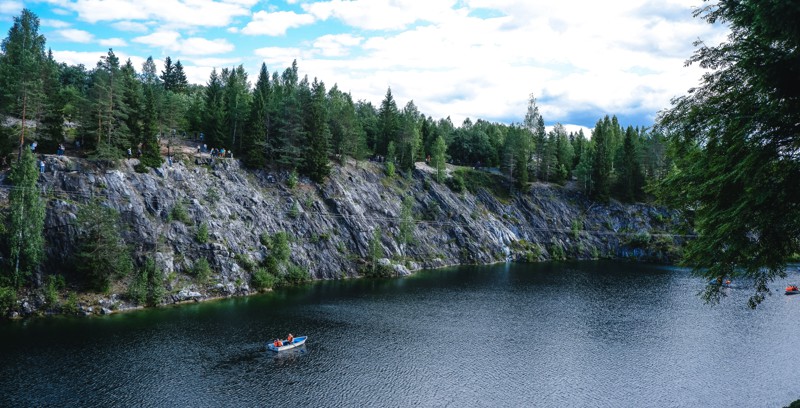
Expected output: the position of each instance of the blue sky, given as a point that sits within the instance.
(457, 58)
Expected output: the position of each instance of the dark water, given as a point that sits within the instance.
(594, 334)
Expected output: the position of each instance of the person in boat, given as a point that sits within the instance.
(278, 343)
(290, 338)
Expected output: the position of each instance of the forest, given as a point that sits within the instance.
(292, 123)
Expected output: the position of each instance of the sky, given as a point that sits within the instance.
(478, 59)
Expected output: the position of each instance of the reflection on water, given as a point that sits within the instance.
(558, 334)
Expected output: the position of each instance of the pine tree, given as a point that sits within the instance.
(316, 162)
(180, 83)
(601, 161)
(214, 114)
(388, 123)
(256, 143)
(21, 61)
(168, 75)
(630, 181)
(408, 136)
(237, 106)
(26, 219)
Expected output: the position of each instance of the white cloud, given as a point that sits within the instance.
(46, 22)
(113, 42)
(336, 45)
(201, 46)
(212, 62)
(282, 57)
(76, 35)
(11, 8)
(89, 59)
(164, 39)
(173, 13)
(130, 26)
(615, 60)
(274, 24)
(172, 41)
(381, 14)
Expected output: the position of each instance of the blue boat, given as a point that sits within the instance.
(296, 342)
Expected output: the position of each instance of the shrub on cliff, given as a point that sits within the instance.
(8, 298)
(262, 279)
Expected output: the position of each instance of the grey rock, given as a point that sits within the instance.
(335, 221)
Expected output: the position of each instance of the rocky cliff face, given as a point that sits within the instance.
(331, 224)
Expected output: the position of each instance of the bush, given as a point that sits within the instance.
(179, 213)
(294, 212)
(291, 182)
(456, 183)
(557, 252)
(264, 239)
(53, 283)
(70, 306)
(262, 279)
(137, 288)
(280, 247)
(296, 275)
(202, 233)
(245, 262)
(140, 168)
(201, 269)
(8, 298)
(389, 169)
(576, 228)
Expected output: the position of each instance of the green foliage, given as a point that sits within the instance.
(137, 288)
(25, 220)
(245, 262)
(456, 183)
(70, 305)
(179, 213)
(279, 247)
(557, 252)
(375, 250)
(474, 180)
(202, 233)
(576, 228)
(389, 169)
(733, 140)
(264, 239)
(151, 279)
(296, 275)
(102, 254)
(53, 284)
(8, 298)
(262, 279)
(291, 182)
(201, 270)
(212, 195)
(407, 224)
(294, 211)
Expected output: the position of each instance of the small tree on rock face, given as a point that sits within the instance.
(437, 158)
(406, 233)
(102, 253)
(26, 219)
(375, 249)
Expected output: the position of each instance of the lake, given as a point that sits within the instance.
(600, 334)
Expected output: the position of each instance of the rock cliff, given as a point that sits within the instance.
(330, 225)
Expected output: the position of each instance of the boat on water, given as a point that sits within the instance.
(792, 290)
(296, 342)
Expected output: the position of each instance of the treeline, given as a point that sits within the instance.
(293, 123)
